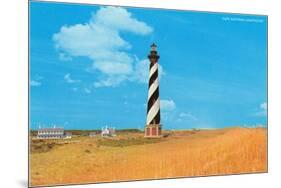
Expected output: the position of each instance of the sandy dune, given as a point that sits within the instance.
(183, 153)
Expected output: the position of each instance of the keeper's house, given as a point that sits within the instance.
(50, 133)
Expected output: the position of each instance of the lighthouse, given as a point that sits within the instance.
(153, 126)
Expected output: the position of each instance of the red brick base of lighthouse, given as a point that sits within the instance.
(153, 131)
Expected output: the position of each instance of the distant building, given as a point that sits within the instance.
(50, 133)
(92, 134)
(67, 135)
(108, 131)
(53, 133)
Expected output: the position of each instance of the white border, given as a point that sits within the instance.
(13, 99)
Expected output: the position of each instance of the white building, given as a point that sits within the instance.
(50, 133)
(67, 135)
(108, 131)
(53, 133)
(92, 134)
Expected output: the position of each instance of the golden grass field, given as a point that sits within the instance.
(129, 156)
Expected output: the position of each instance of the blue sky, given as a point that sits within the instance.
(89, 67)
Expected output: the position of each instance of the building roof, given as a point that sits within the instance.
(50, 129)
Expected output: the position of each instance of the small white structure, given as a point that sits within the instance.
(68, 135)
(92, 134)
(108, 131)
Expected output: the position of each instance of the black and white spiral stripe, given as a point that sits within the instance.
(153, 105)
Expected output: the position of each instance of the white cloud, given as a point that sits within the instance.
(119, 18)
(262, 110)
(167, 105)
(87, 90)
(69, 80)
(75, 89)
(263, 106)
(111, 81)
(35, 83)
(141, 71)
(187, 116)
(99, 39)
(64, 57)
(113, 68)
